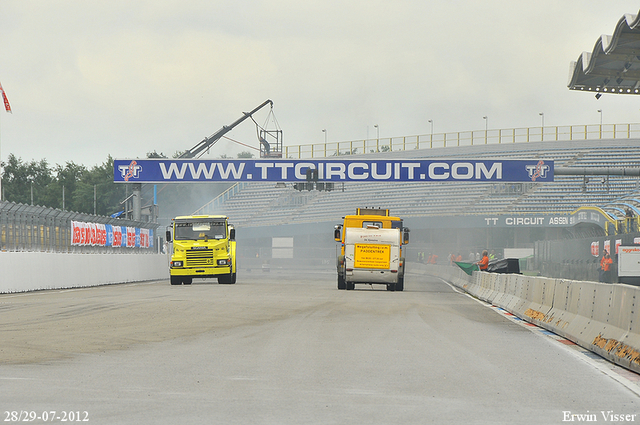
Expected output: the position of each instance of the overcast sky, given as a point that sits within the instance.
(87, 79)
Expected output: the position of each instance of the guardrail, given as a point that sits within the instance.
(600, 317)
(465, 138)
(35, 228)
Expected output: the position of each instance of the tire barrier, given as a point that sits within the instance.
(603, 318)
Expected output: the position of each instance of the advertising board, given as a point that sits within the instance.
(331, 170)
(372, 256)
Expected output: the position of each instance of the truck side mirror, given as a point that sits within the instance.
(337, 236)
(168, 236)
(232, 234)
(405, 236)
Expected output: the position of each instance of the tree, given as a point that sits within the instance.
(155, 154)
(79, 183)
(67, 179)
(73, 182)
(18, 179)
(108, 194)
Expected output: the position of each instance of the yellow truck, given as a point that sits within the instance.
(371, 249)
(204, 246)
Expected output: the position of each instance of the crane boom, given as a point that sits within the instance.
(209, 141)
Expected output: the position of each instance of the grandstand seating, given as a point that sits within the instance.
(264, 204)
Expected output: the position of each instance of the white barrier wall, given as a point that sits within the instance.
(30, 271)
(600, 317)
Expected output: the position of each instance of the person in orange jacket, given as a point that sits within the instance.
(484, 261)
(605, 266)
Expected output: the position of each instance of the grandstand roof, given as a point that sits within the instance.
(613, 66)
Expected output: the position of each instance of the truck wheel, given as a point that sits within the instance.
(175, 280)
(233, 278)
(390, 287)
(341, 283)
(187, 280)
(400, 283)
(226, 279)
(350, 286)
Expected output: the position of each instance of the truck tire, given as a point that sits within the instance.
(175, 280)
(187, 280)
(391, 286)
(341, 283)
(400, 282)
(350, 286)
(227, 279)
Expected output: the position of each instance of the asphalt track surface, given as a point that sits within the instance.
(289, 348)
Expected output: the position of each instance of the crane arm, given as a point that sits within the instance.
(209, 141)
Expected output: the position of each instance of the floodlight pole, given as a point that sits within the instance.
(600, 111)
(377, 137)
(486, 128)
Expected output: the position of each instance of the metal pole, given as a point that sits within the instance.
(137, 201)
(155, 203)
(600, 110)
(486, 128)
(377, 136)
(1, 188)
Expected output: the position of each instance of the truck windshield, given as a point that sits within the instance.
(370, 224)
(200, 230)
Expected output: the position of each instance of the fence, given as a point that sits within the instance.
(34, 228)
(465, 138)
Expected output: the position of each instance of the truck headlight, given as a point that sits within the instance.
(224, 262)
(176, 264)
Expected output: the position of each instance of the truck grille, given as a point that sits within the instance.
(199, 258)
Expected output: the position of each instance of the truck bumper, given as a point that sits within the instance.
(200, 271)
(371, 276)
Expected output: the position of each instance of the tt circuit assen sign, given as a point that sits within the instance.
(332, 170)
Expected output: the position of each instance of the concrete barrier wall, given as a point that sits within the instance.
(603, 318)
(30, 271)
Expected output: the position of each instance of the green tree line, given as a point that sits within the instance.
(71, 187)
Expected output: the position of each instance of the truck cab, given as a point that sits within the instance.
(203, 246)
(371, 249)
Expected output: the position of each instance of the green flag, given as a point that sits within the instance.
(468, 268)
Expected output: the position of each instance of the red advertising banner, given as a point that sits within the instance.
(96, 234)
(7, 107)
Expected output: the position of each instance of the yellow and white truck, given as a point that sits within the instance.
(371, 249)
(204, 246)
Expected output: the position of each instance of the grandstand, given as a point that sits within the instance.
(267, 204)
